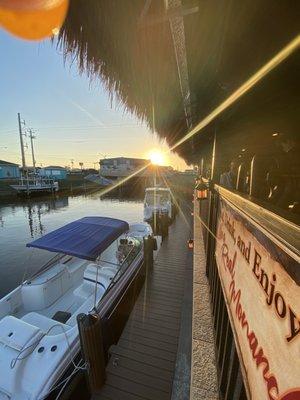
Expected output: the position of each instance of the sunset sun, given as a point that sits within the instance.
(157, 157)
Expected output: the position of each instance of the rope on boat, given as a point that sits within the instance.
(65, 381)
(27, 266)
(96, 284)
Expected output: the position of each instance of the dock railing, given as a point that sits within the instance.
(252, 265)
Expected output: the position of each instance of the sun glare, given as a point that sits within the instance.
(156, 157)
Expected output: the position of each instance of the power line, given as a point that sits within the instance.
(21, 134)
(89, 126)
(32, 137)
(77, 128)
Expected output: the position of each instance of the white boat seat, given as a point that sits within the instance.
(45, 323)
(42, 292)
(18, 334)
(85, 290)
(84, 308)
(103, 276)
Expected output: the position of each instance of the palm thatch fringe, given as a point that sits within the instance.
(113, 41)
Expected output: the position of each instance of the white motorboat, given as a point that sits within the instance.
(95, 259)
(158, 201)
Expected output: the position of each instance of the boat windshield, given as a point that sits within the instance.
(127, 250)
(153, 198)
(121, 251)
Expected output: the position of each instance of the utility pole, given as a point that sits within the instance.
(32, 149)
(21, 143)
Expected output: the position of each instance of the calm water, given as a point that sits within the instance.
(22, 222)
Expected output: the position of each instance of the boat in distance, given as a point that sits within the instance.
(31, 186)
(96, 259)
(158, 202)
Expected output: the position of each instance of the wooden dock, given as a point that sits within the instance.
(145, 362)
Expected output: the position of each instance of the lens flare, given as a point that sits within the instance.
(157, 157)
(243, 89)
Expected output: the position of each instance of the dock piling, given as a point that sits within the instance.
(148, 252)
(91, 342)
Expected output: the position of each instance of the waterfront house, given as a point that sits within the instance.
(120, 166)
(9, 170)
(54, 172)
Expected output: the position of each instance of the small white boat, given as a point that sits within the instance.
(96, 258)
(158, 201)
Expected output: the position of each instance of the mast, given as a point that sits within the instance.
(21, 143)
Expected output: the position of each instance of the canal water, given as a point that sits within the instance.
(25, 221)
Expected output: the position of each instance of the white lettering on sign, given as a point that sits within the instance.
(264, 304)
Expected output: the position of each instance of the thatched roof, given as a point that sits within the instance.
(128, 44)
(109, 40)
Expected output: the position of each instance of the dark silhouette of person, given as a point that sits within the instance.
(285, 178)
(228, 179)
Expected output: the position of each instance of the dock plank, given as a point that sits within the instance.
(151, 335)
(157, 344)
(138, 376)
(138, 366)
(140, 313)
(139, 389)
(148, 359)
(111, 393)
(145, 349)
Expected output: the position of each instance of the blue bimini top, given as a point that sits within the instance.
(85, 238)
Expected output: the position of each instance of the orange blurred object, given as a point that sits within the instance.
(190, 244)
(201, 190)
(33, 19)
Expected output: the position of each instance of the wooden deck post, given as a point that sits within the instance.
(91, 342)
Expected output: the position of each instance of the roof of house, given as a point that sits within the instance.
(2, 162)
(55, 167)
(125, 158)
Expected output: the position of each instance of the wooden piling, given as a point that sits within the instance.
(92, 349)
(148, 252)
